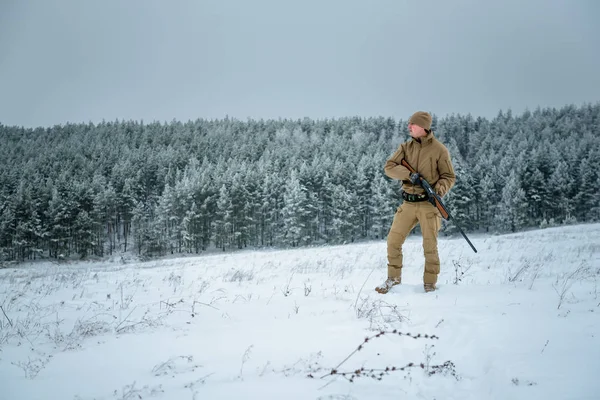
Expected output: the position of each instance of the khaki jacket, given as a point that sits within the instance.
(430, 158)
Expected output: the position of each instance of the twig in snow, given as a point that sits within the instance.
(32, 367)
(245, 358)
(562, 288)
(167, 304)
(378, 373)
(287, 291)
(367, 339)
(120, 323)
(193, 384)
(272, 294)
(460, 271)
(513, 278)
(534, 276)
(204, 304)
(9, 321)
(545, 345)
(307, 289)
(361, 288)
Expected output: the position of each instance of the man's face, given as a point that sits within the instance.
(416, 131)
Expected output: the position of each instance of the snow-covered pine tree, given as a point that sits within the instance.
(381, 205)
(511, 214)
(294, 211)
(561, 184)
(222, 225)
(460, 199)
(346, 221)
(487, 204)
(191, 229)
(586, 199)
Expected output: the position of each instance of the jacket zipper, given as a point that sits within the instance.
(418, 157)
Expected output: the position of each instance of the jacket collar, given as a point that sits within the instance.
(424, 141)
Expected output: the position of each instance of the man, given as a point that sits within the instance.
(431, 160)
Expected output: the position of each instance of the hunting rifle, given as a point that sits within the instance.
(436, 200)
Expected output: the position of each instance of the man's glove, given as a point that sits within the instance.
(415, 178)
(432, 198)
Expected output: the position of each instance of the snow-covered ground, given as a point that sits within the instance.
(518, 320)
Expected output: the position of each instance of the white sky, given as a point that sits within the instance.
(80, 61)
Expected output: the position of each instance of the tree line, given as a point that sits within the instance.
(166, 188)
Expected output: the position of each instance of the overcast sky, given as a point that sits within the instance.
(80, 61)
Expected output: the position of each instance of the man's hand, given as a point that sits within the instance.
(415, 178)
(432, 199)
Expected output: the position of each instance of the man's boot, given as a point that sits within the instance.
(429, 287)
(387, 285)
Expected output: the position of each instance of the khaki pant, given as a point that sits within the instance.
(406, 218)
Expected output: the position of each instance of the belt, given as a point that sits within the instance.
(413, 198)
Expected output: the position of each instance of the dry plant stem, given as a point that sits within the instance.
(204, 304)
(546, 344)
(9, 321)
(121, 323)
(361, 288)
(367, 339)
(563, 287)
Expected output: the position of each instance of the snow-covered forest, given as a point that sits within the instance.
(81, 190)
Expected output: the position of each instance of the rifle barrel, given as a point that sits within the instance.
(466, 238)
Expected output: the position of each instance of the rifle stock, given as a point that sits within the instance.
(437, 201)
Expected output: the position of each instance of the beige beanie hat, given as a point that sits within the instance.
(422, 119)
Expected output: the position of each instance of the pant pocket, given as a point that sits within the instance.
(434, 220)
